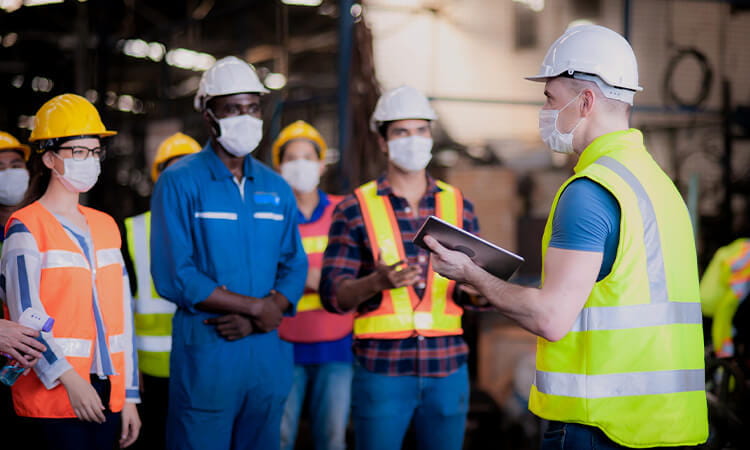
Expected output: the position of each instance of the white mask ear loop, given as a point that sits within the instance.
(562, 109)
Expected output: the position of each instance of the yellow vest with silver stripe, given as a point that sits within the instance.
(632, 365)
(153, 315)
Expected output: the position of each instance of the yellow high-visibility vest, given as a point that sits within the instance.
(401, 312)
(153, 314)
(632, 364)
(725, 283)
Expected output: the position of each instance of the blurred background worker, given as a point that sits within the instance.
(620, 348)
(14, 176)
(724, 286)
(225, 231)
(153, 315)
(64, 259)
(322, 340)
(15, 340)
(411, 358)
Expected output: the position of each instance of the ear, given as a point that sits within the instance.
(322, 168)
(588, 100)
(48, 159)
(213, 127)
(382, 144)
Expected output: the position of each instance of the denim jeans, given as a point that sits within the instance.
(573, 436)
(329, 386)
(383, 407)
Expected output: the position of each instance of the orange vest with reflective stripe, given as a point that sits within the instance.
(65, 290)
(313, 323)
(402, 313)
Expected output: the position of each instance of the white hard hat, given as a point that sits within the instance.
(593, 50)
(229, 75)
(403, 102)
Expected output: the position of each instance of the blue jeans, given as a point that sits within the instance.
(330, 386)
(383, 407)
(573, 436)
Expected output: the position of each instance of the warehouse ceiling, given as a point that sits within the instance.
(135, 57)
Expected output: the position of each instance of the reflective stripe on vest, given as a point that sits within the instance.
(620, 384)
(632, 363)
(153, 315)
(396, 317)
(154, 343)
(312, 245)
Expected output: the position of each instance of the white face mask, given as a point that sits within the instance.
(302, 175)
(79, 176)
(239, 135)
(411, 153)
(555, 140)
(13, 185)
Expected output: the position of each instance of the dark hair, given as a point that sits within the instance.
(282, 149)
(40, 176)
(383, 129)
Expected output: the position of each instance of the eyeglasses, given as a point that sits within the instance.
(80, 153)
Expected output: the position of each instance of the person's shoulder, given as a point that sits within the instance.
(188, 165)
(348, 202)
(585, 188)
(99, 218)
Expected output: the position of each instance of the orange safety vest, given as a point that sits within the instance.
(402, 313)
(66, 291)
(313, 323)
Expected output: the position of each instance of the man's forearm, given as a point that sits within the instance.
(352, 293)
(519, 303)
(223, 301)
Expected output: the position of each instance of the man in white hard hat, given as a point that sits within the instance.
(620, 347)
(230, 257)
(411, 358)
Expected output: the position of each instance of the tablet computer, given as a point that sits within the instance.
(495, 260)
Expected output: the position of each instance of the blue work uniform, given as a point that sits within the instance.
(209, 230)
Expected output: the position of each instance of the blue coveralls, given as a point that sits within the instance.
(204, 235)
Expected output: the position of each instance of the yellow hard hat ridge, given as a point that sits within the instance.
(8, 142)
(68, 115)
(178, 144)
(297, 130)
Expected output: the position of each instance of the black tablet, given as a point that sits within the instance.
(495, 260)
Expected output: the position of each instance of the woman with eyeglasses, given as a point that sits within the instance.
(64, 259)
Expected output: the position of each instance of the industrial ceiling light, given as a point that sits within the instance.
(11, 5)
(41, 2)
(302, 2)
(190, 59)
(275, 81)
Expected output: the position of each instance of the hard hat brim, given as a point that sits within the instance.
(101, 134)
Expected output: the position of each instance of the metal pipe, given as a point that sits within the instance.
(626, 19)
(346, 29)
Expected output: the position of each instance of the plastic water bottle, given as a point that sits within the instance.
(36, 320)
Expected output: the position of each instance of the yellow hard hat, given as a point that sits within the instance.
(8, 142)
(176, 145)
(298, 130)
(68, 115)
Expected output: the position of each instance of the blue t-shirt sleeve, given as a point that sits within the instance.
(587, 218)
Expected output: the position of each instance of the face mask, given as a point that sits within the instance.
(411, 153)
(555, 140)
(239, 135)
(302, 175)
(13, 185)
(79, 176)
